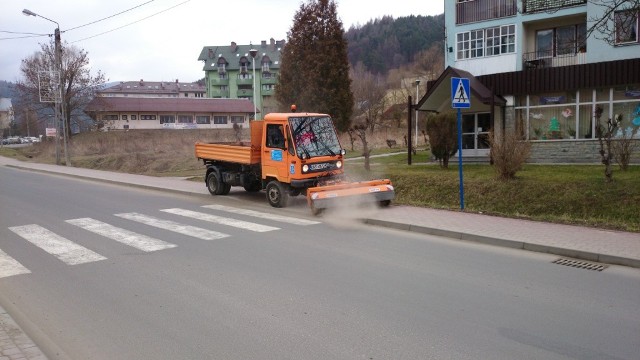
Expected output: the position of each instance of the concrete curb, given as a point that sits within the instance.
(513, 244)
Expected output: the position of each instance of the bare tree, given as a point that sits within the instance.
(77, 82)
(369, 93)
(605, 136)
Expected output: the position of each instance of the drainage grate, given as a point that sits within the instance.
(580, 264)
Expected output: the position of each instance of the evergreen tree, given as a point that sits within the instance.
(314, 73)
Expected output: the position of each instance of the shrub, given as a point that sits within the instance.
(508, 154)
(442, 132)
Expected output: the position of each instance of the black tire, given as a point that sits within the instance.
(384, 203)
(226, 188)
(253, 187)
(277, 194)
(215, 186)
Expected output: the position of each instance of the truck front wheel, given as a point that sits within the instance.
(277, 194)
(216, 186)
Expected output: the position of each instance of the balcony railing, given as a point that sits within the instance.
(534, 6)
(480, 10)
(546, 59)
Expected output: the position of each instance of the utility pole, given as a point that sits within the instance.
(59, 100)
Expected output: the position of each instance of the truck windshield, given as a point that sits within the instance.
(314, 136)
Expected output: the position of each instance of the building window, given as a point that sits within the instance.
(486, 42)
(167, 119)
(109, 117)
(203, 119)
(185, 119)
(147, 117)
(124, 117)
(134, 117)
(626, 26)
(237, 119)
(219, 120)
(566, 40)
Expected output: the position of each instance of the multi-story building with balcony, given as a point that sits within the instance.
(229, 72)
(541, 69)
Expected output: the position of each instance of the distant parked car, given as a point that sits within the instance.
(14, 140)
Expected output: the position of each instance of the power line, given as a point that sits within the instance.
(109, 17)
(135, 22)
(27, 35)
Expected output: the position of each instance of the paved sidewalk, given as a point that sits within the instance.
(14, 343)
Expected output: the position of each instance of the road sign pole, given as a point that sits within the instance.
(460, 98)
(460, 159)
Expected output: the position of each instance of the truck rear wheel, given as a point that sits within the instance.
(277, 194)
(216, 186)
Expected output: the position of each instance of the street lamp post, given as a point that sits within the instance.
(417, 88)
(59, 98)
(253, 53)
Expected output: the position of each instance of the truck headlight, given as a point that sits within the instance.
(338, 164)
(305, 168)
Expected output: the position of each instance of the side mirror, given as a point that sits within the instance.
(343, 152)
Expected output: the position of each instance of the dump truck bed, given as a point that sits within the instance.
(241, 153)
(235, 153)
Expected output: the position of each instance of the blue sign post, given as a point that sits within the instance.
(460, 99)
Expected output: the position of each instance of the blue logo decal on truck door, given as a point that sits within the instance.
(276, 155)
(292, 168)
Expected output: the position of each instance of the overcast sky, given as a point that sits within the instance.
(160, 40)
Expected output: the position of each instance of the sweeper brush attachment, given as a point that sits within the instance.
(347, 193)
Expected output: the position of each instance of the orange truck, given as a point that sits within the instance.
(290, 154)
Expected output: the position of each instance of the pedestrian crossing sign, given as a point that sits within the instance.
(460, 94)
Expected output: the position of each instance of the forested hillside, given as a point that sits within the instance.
(388, 43)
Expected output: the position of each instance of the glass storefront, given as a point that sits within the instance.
(570, 115)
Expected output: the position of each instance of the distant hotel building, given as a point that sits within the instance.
(229, 72)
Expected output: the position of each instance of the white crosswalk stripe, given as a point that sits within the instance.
(138, 241)
(9, 266)
(189, 230)
(262, 215)
(65, 250)
(221, 220)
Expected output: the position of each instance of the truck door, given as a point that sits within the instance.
(275, 157)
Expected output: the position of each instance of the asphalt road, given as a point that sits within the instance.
(96, 271)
